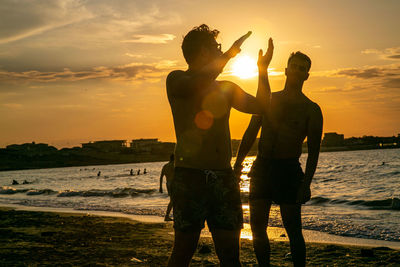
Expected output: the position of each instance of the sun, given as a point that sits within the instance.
(244, 67)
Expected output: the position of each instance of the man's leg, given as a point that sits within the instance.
(227, 246)
(185, 245)
(259, 213)
(167, 218)
(291, 217)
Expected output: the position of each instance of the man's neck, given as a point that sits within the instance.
(293, 88)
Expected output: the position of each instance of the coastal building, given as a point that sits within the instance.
(106, 146)
(333, 139)
(151, 146)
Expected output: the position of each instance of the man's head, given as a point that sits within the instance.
(200, 44)
(298, 66)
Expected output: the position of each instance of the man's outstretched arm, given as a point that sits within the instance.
(314, 134)
(264, 90)
(259, 104)
(247, 142)
(178, 84)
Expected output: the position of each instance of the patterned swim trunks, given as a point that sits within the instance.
(276, 179)
(200, 195)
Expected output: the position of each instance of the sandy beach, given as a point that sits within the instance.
(32, 238)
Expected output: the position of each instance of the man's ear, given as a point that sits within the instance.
(285, 71)
(306, 78)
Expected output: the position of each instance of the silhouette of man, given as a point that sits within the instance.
(168, 172)
(204, 187)
(276, 175)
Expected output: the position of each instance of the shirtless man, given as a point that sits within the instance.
(276, 175)
(204, 187)
(168, 172)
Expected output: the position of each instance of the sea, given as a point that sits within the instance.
(354, 193)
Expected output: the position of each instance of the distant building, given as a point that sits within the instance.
(144, 145)
(32, 148)
(333, 139)
(152, 146)
(106, 146)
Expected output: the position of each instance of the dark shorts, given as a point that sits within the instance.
(276, 179)
(200, 195)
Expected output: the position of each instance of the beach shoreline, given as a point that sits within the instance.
(274, 233)
(31, 237)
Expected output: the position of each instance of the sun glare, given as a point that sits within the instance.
(245, 67)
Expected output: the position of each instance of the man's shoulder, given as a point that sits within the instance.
(311, 104)
(175, 74)
(226, 84)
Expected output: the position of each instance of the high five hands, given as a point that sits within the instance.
(263, 60)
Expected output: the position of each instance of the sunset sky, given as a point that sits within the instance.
(76, 71)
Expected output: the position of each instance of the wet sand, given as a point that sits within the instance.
(31, 238)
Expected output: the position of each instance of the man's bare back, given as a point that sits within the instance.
(202, 126)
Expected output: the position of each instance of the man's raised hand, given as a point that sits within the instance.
(264, 60)
(235, 48)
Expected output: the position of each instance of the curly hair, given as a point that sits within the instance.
(195, 39)
(301, 56)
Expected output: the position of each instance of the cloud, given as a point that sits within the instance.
(128, 72)
(73, 22)
(370, 72)
(151, 39)
(21, 19)
(392, 53)
(369, 80)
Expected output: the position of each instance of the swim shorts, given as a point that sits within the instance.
(199, 195)
(278, 180)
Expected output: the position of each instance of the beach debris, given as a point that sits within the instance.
(288, 256)
(133, 259)
(204, 249)
(366, 252)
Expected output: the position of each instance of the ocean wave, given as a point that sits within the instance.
(8, 190)
(117, 193)
(34, 192)
(383, 204)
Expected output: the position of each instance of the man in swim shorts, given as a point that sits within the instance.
(276, 175)
(204, 187)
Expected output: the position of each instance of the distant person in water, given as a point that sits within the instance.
(144, 171)
(276, 174)
(131, 172)
(168, 172)
(99, 173)
(15, 182)
(138, 172)
(204, 187)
